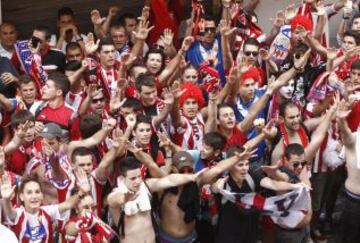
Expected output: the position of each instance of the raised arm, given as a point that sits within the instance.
(347, 137)
(319, 134)
(97, 21)
(7, 192)
(140, 36)
(168, 101)
(84, 188)
(274, 185)
(226, 31)
(170, 68)
(18, 138)
(118, 146)
(95, 139)
(171, 180)
(224, 165)
(146, 160)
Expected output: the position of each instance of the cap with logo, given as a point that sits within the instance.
(50, 131)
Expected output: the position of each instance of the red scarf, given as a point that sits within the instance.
(301, 132)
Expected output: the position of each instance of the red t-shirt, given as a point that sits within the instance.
(62, 115)
(237, 138)
(19, 158)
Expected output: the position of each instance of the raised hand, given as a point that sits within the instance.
(269, 130)
(164, 140)
(348, 9)
(8, 78)
(109, 124)
(279, 19)
(113, 11)
(143, 30)
(343, 110)
(118, 138)
(187, 43)
(320, 9)
(22, 129)
(246, 154)
(47, 150)
(175, 89)
(7, 190)
(270, 170)
(96, 18)
(219, 184)
(92, 90)
(290, 12)
(168, 96)
(264, 54)
(82, 180)
(115, 102)
(167, 37)
(132, 148)
(302, 61)
(331, 53)
(233, 75)
(225, 28)
(130, 120)
(145, 13)
(90, 45)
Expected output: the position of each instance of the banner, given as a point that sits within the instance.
(287, 209)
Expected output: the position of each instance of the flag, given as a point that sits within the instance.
(287, 209)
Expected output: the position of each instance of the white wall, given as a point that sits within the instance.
(268, 8)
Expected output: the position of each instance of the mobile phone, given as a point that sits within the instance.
(35, 41)
(69, 33)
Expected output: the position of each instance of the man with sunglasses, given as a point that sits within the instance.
(51, 59)
(207, 50)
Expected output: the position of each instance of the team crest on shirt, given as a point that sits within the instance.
(180, 130)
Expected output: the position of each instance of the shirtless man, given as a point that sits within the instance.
(350, 218)
(130, 205)
(178, 217)
(293, 130)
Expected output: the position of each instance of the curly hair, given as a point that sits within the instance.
(192, 92)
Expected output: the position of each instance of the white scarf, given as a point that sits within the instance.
(210, 54)
(141, 201)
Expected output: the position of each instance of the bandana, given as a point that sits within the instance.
(210, 77)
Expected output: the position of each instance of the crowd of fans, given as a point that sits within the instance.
(163, 128)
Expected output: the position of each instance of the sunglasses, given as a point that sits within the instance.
(296, 164)
(210, 29)
(94, 101)
(253, 53)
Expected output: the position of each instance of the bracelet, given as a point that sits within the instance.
(346, 17)
(79, 39)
